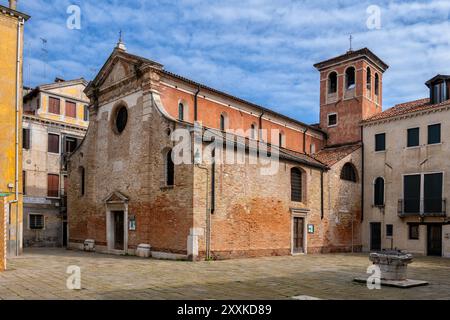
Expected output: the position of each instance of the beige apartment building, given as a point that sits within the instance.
(55, 121)
(406, 175)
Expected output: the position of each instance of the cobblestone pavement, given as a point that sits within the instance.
(41, 274)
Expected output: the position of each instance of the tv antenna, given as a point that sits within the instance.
(44, 55)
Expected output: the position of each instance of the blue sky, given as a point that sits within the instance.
(259, 50)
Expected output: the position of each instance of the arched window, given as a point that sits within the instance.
(223, 121)
(253, 131)
(296, 185)
(377, 84)
(170, 169)
(348, 172)
(332, 83)
(369, 79)
(350, 78)
(379, 192)
(180, 111)
(82, 181)
(281, 139)
(312, 148)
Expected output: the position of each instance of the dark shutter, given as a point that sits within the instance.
(71, 109)
(380, 142)
(181, 112)
(389, 230)
(413, 137)
(433, 193)
(411, 190)
(434, 134)
(296, 185)
(24, 182)
(53, 105)
(53, 143)
(414, 231)
(379, 192)
(86, 113)
(36, 221)
(348, 172)
(26, 138)
(53, 185)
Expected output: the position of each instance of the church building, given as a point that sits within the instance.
(290, 188)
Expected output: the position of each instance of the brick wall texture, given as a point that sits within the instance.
(253, 213)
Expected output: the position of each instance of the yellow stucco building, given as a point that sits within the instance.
(11, 55)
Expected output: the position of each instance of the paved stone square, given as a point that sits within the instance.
(41, 274)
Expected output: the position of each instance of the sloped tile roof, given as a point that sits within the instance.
(406, 108)
(332, 155)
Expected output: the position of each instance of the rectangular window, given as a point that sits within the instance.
(37, 221)
(26, 138)
(413, 137)
(434, 134)
(380, 142)
(432, 192)
(389, 230)
(53, 185)
(332, 120)
(24, 182)
(86, 113)
(411, 193)
(53, 143)
(70, 145)
(54, 105)
(413, 231)
(71, 109)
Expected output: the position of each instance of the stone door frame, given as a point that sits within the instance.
(300, 213)
(116, 202)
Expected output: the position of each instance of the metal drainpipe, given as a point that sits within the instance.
(260, 126)
(16, 182)
(196, 104)
(304, 140)
(208, 215)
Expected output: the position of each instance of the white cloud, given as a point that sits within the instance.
(260, 50)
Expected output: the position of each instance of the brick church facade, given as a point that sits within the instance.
(127, 193)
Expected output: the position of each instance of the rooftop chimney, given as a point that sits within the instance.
(13, 4)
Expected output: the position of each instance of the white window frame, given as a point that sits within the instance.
(328, 119)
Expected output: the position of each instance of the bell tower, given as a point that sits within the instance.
(350, 91)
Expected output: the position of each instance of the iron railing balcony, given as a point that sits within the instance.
(431, 207)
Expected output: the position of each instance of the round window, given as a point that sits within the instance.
(121, 119)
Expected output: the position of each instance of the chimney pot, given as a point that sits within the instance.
(13, 4)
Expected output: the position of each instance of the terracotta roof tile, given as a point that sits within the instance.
(406, 108)
(332, 155)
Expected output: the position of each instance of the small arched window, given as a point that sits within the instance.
(369, 79)
(350, 78)
(348, 172)
(181, 111)
(82, 181)
(170, 169)
(377, 84)
(379, 192)
(223, 121)
(253, 131)
(332, 83)
(296, 185)
(281, 139)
